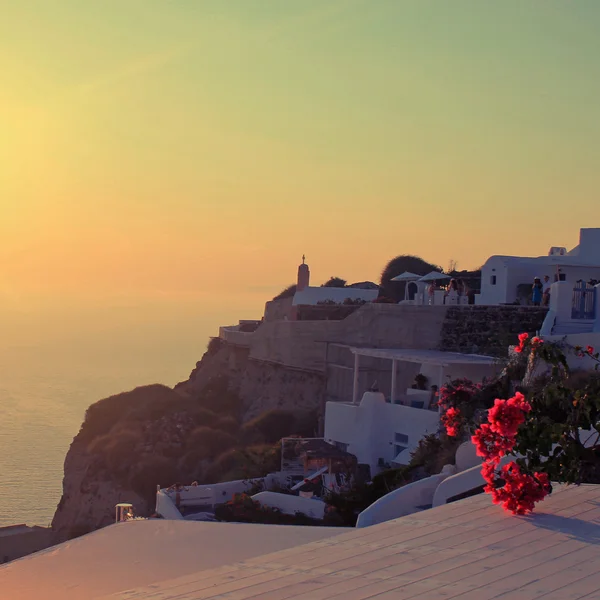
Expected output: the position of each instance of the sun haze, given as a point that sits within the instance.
(153, 147)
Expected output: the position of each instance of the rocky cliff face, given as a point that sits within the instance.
(260, 385)
(153, 435)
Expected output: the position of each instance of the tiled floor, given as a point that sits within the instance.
(468, 550)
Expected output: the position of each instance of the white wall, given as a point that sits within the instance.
(403, 501)
(166, 508)
(558, 321)
(313, 295)
(369, 429)
(512, 271)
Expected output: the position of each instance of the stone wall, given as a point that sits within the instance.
(233, 335)
(277, 310)
(17, 541)
(488, 329)
(297, 344)
(325, 312)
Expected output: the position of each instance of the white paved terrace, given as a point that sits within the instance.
(468, 550)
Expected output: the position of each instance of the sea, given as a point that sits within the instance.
(55, 362)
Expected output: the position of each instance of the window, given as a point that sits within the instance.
(400, 438)
(398, 448)
(400, 443)
(341, 446)
(493, 280)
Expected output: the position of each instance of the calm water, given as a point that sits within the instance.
(50, 374)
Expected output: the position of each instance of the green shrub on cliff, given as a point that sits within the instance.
(218, 398)
(245, 463)
(151, 471)
(287, 292)
(142, 403)
(209, 442)
(271, 426)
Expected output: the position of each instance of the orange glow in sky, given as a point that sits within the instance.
(152, 147)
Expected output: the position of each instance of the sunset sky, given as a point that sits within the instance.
(200, 147)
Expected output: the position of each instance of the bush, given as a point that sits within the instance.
(336, 282)
(252, 462)
(116, 449)
(288, 292)
(218, 398)
(151, 471)
(271, 426)
(209, 442)
(227, 424)
(405, 262)
(141, 404)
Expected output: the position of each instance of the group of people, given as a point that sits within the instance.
(455, 289)
(540, 293)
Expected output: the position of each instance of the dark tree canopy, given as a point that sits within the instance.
(397, 266)
(336, 282)
(288, 292)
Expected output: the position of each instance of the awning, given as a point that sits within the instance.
(432, 357)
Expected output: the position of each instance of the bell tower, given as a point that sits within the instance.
(303, 275)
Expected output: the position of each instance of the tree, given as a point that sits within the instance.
(336, 282)
(397, 266)
(287, 292)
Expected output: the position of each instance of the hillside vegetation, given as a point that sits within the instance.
(152, 435)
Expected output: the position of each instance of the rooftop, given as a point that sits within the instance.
(467, 550)
(435, 357)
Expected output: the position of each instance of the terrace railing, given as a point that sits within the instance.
(583, 304)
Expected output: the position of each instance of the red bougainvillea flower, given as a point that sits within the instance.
(523, 337)
(590, 350)
(536, 341)
(452, 420)
(518, 401)
(490, 445)
(506, 415)
(520, 491)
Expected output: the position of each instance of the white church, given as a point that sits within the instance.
(501, 275)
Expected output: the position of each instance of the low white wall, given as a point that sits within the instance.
(462, 482)
(290, 505)
(313, 295)
(166, 508)
(210, 495)
(401, 502)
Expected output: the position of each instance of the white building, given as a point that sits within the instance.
(311, 295)
(381, 433)
(501, 275)
(574, 309)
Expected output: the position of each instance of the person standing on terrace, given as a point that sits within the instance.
(536, 291)
(431, 292)
(546, 291)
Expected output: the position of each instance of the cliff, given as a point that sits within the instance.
(249, 390)
(219, 424)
